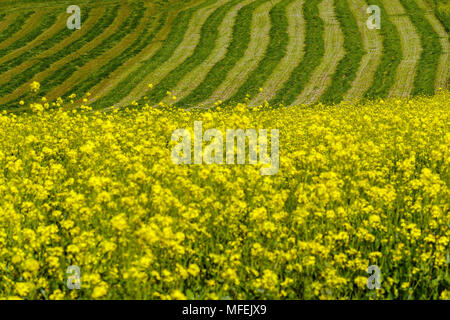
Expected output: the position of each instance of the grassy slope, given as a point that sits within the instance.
(314, 51)
(373, 45)
(192, 80)
(44, 64)
(169, 45)
(208, 36)
(236, 50)
(253, 54)
(294, 54)
(276, 50)
(429, 59)
(354, 52)
(392, 52)
(321, 78)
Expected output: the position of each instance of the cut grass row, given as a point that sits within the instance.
(372, 42)
(236, 50)
(14, 27)
(64, 72)
(441, 9)
(169, 45)
(188, 83)
(411, 48)
(134, 63)
(276, 50)
(314, 52)
(43, 64)
(254, 53)
(294, 54)
(443, 69)
(183, 51)
(48, 20)
(384, 77)
(41, 47)
(102, 60)
(429, 59)
(144, 39)
(354, 52)
(208, 36)
(321, 78)
(29, 25)
(59, 22)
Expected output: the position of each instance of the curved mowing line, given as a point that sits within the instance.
(294, 53)
(108, 51)
(432, 49)
(36, 29)
(28, 26)
(16, 25)
(410, 41)
(5, 21)
(170, 44)
(208, 37)
(373, 46)
(276, 50)
(134, 64)
(58, 77)
(236, 50)
(42, 47)
(354, 52)
(441, 10)
(384, 77)
(443, 70)
(41, 35)
(184, 50)
(314, 52)
(143, 40)
(198, 74)
(253, 55)
(334, 52)
(43, 65)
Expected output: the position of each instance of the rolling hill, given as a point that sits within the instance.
(280, 51)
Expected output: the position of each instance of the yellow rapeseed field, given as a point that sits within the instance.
(358, 185)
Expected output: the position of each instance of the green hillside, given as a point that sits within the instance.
(196, 53)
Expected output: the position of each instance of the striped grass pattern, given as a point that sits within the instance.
(322, 52)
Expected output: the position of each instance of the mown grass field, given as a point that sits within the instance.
(228, 50)
(87, 180)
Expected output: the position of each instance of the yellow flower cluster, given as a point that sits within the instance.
(358, 185)
(35, 86)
